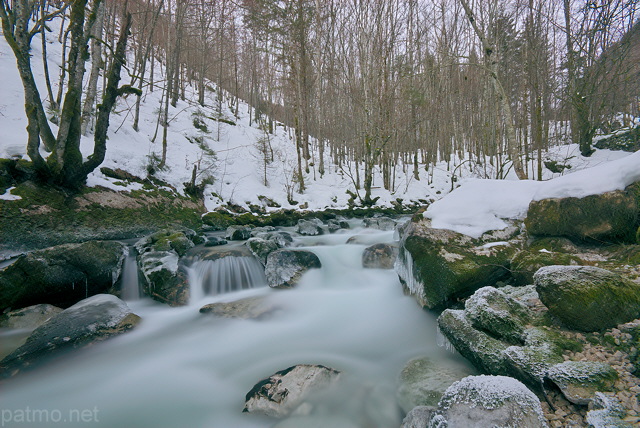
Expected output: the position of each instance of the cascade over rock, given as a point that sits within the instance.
(61, 275)
(88, 321)
(437, 266)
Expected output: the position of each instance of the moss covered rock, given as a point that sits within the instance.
(588, 298)
(609, 217)
(437, 266)
(580, 380)
(526, 263)
(491, 310)
(158, 260)
(61, 275)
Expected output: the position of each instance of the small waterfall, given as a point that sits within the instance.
(129, 286)
(211, 277)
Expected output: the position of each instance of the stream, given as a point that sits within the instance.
(180, 368)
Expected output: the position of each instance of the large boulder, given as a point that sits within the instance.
(379, 256)
(88, 321)
(588, 298)
(61, 275)
(158, 260)
(284, 267)
(423, 381)
(489, 401)
(609, 217)
(285, 392)
(580, 380)
(261, 248)
(437, 266)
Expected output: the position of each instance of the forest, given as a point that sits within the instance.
(386, 84)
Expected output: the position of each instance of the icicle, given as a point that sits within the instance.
(443, 342)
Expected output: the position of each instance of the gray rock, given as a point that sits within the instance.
(88, 321)
(261, 248)
(249, 308)
(214, 241)
(380, 256)
(608, 217)
(489, 401)
(605, 411)
(283, 239)
(262, 230)
(308, 228)
(418, 417)
(423, 381)
(158, 260)
(588, 298)
(284, 392)
(437, 266)
(381, 223)
(29, 317)
(61, 275)
(284, 268)
(237, 233)
(491, 310)
(334, 225)
(580, 380)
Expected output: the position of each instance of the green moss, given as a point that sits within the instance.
(526, 263)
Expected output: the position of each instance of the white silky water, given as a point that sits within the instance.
(180, 368)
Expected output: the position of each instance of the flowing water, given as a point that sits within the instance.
(180, 368)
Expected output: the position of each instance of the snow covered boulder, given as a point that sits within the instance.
(437, 266)
(309, 227)
(158, 260)
(379, 256)
(423, 381)
(61, 275)
(580, 380)
(588, 298)
(29, 317)
(261, 248)
(491, 310)
(285, 392)
(489, 401)
(284, 268)
(608, 217)
(88, 321)
(382, 223)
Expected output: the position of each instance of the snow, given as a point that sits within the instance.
(238, 173)
(112, 307)
(8, 196)
(478, 206)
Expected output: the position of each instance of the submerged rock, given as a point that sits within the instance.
(249, 308)
(29, 317)
(489, 401)
(284, 268)
(580, 380)
(379, 256)
(423, 381)
(285, 392)
(61, 275)
(608, 217)
(88, 321)
(588, 298)
(437, 266)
